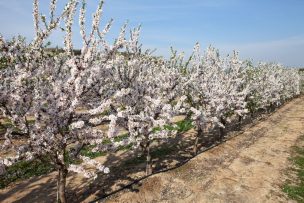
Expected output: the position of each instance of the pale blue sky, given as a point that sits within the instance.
(264, 30)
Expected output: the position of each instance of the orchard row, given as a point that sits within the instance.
(54, 100)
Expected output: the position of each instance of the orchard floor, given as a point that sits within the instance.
(250, 167)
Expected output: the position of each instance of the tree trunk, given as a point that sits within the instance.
(239, 122)
(273, 107)
(269, 110)
(198, 135)
(149, 161)
(61, 183)
(222, 130)
(252, 115)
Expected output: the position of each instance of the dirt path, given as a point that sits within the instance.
(247, 168)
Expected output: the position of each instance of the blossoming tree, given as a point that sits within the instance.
(41, 94)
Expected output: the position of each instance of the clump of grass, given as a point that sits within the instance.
(295, 188)
(180, 126)
(116, 139)
(126, 147)
(184, 125)
(87, 151)
(121, 137)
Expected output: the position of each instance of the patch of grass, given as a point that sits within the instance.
(24, 170)
(127, 147)
(295, 187)
(116, 139)
(106, 141)
(2, 130)
(5, 124)
(121, 137)
(87, 151)
(184, 125)
(180, 126)
(294, 192)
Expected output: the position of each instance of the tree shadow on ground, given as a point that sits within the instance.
(41, 191)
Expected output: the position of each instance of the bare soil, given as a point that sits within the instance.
(247, 168)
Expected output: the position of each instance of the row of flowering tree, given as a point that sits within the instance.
(55, 101)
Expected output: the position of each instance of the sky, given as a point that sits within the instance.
(261, 30)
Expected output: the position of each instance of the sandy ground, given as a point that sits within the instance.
(247, 168)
